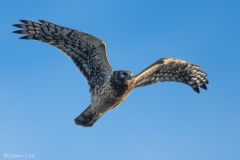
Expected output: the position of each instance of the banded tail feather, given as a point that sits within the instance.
(87, 118)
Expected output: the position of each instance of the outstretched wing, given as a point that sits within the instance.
(169, 69)
(87, 52)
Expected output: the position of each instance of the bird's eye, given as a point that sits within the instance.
(122, 75)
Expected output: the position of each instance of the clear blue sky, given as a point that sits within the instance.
(41, 91)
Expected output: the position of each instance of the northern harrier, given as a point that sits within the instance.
(108, 88)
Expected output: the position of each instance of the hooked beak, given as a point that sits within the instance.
(130, 77)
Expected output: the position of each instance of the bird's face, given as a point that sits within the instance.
(125, 76)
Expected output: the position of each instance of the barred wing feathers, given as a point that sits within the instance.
(169, 69)
(87, 52)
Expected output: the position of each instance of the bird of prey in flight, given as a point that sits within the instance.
(108, 88)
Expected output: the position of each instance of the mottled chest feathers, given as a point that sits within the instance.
(122, 81)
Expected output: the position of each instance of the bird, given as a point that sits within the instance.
(108, 88)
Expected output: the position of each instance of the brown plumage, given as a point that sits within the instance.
(108, 88)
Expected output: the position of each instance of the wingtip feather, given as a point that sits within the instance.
(18, 32)
(196, 90)
(23, 21)
(17, 25)
(203, 86)
(207, 82)
(42, 21)
(27, 37)
(24, 37)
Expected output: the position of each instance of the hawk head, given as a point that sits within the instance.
(124, 77)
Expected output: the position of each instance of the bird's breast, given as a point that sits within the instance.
(109, 96)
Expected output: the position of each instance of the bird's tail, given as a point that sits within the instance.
(87, 118)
